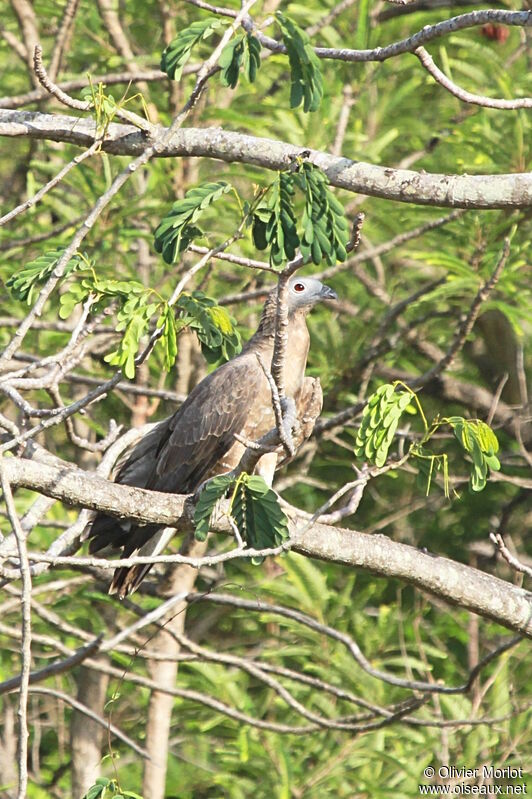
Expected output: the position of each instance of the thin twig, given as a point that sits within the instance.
(62, 38)
(109, 79)
(31, 201)
(512, 561)
(350, 644)
(25, 649)
(81, 708)
(467, 324)
(83, 105)
(467, 97)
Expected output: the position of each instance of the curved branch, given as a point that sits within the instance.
(427, 34)
(462, 94)
(404, 185)
(453, 582)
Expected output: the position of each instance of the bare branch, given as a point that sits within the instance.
(49, 85)
(94, 716)
(467, 97)
(109, 79)
(409, 45)
(512, 561)
(62, 38)
(451, 191)
(351, 645)
(37, 197)
(25, 649)
(57, 667)
(454, 582)
(467, 325)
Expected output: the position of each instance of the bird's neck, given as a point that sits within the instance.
(266, 328)
(297, 346)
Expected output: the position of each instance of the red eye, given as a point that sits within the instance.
(299, 287)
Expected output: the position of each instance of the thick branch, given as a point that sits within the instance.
(454, 582)
(404, 185)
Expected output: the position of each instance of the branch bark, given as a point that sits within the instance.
(403, 185)
(453, 582)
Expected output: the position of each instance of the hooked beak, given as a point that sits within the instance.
(327, 293)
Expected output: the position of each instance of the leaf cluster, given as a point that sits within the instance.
(379, 423)
(178, 229)
(481, 444)
(324, 229)
(274, 221)
(179, 50)
(137, 306)
(306, 82)
(254, 508)
(242, 52)
(24, 283)
(215, 328)
(105, 788)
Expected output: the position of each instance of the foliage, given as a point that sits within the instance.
(480, 442)
(24, 283)
(137, 306)
(242, 52)
(254, 508)
(324, 228)
(215, 328)
(393, 315)
(379, 422)
(104, 788)
(179, 50)
(306, 82)
(177, 230)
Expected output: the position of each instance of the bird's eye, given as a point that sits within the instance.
(299, 287)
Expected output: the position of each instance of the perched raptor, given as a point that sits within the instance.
(198, 441)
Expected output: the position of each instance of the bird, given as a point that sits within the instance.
(207, 435)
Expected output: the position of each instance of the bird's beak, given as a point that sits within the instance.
(327, 293)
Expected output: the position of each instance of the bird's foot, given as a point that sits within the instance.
(289, 413)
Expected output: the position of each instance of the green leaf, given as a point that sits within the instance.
(243, 51)
(135, 322)
(177, 230)
(277, 225)
(76, 294)
(213, 491)
(231, 60)
(25, 281)
(179, 50)
(480, 442)
(96, 790)
(325, 227)
(258, 515)
(214, 327)
(306, 83)
(168, 339)
(379, 422)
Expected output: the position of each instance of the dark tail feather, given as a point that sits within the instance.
(145, 541)
(127, 579)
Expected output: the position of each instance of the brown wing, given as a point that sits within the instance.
(203, 429)
(179, 453)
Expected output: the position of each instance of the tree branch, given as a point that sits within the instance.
(404, 185)
(454, 582)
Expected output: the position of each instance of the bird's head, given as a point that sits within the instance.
(304, 292)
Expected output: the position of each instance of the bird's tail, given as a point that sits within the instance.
(127, 579)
